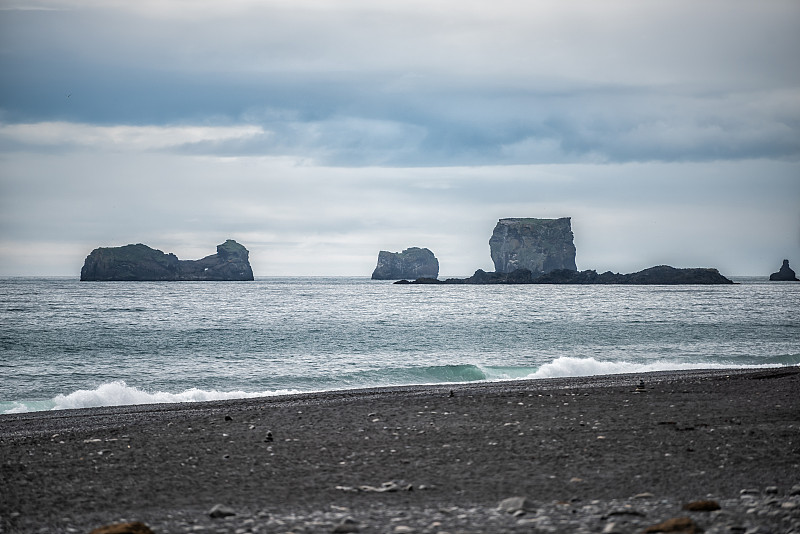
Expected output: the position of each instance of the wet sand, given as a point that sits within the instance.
(305, 463)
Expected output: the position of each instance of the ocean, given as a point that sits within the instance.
(69, 344)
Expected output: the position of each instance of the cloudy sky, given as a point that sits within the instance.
(318, 132)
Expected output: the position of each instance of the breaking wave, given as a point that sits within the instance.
(567, 366)
(118, 393)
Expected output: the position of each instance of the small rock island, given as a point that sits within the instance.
(542, 251)
(413, 262)
(659, 275)
(785, 274)
(142, 263)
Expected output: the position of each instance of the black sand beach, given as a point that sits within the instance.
(589, 454)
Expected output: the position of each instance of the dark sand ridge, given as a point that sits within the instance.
(688, 436)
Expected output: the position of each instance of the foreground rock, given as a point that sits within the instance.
(539, 245)
(413, 262)
(136, 527)
(786, 274)
(660, 275)
(142, 263)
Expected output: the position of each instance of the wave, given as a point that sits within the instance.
(118, 393)
(568, 366)
(397, 376)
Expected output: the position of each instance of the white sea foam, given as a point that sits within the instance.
(569, 366)
(18, 407)
(118, 393)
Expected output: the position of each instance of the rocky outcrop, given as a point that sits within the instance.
(786, 274)
(413, 263)
(142, 263)
(660, 275)
(539, 245)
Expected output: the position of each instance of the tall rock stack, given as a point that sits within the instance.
(539, 245)
(412, 263)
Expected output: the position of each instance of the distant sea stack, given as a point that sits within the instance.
(142, 263)
(786, 274)
(538, 245)
(412, 263)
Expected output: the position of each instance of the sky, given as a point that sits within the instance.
(319, 132)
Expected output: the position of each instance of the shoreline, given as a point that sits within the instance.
(592, 444)
(595, 379)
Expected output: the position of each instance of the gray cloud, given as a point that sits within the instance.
(544, 84)
(334, 130)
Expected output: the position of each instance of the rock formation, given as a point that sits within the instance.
(660, 275)
(539, 245)
(786, 274)
(142, 263)
(412, 263)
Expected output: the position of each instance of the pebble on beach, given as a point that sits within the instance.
(702, 506)
(135, 527)
(513, 505)
(346, 526)
(220, 510)
(676, 524)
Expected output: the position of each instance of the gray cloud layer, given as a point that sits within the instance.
(360, 84)
(336, 129)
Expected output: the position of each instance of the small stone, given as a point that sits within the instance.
(645, 495)
(516, 504)
(269, 437)
(220, 510)
(228, 418)
(771, 490)
(137, 527)
(612, 528)
(676, 524)
(789, 505)
(627, 511)
(403, 529)
(701, 506)
(795, 490)
(347, 526)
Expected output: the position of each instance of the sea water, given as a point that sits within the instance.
(70, 344)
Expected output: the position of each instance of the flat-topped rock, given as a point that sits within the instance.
(142, 263)
(659, 275)
(785, 274)
(413, 263)
(539, 245)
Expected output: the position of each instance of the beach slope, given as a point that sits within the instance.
(594, 454)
